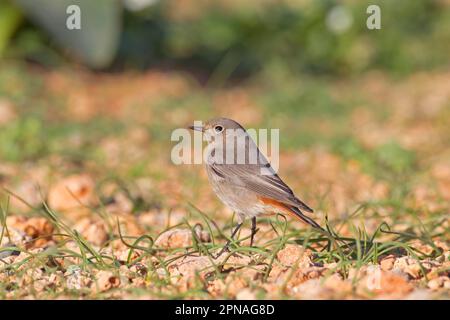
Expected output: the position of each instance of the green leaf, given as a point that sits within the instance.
(10, 19)
(96, 42)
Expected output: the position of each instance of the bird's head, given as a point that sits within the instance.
(219, 127)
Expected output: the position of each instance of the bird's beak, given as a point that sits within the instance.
(196, 128)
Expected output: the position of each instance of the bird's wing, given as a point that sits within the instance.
(268, 185)
(258, 177)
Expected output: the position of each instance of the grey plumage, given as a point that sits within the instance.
(241, 186)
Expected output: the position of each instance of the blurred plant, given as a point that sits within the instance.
(10, 19)
(97, 40)
(236, 38)
(389, 160)
(314, 36)
(22, 139)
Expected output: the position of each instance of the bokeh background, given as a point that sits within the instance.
(364, 115)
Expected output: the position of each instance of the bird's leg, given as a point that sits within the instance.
(225, 248)
(253, 231)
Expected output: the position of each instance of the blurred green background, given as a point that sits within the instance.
(234, 38)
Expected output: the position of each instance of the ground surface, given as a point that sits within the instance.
(371, 154)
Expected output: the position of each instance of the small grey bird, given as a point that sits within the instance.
(243, 179)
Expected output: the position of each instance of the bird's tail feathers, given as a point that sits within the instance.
(306, 219)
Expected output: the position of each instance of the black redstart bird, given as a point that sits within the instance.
(243, 179)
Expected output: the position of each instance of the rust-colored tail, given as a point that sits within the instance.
(292, 211)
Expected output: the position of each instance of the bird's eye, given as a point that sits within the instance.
(218, 129)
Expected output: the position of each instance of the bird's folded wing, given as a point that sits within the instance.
(267, 185)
